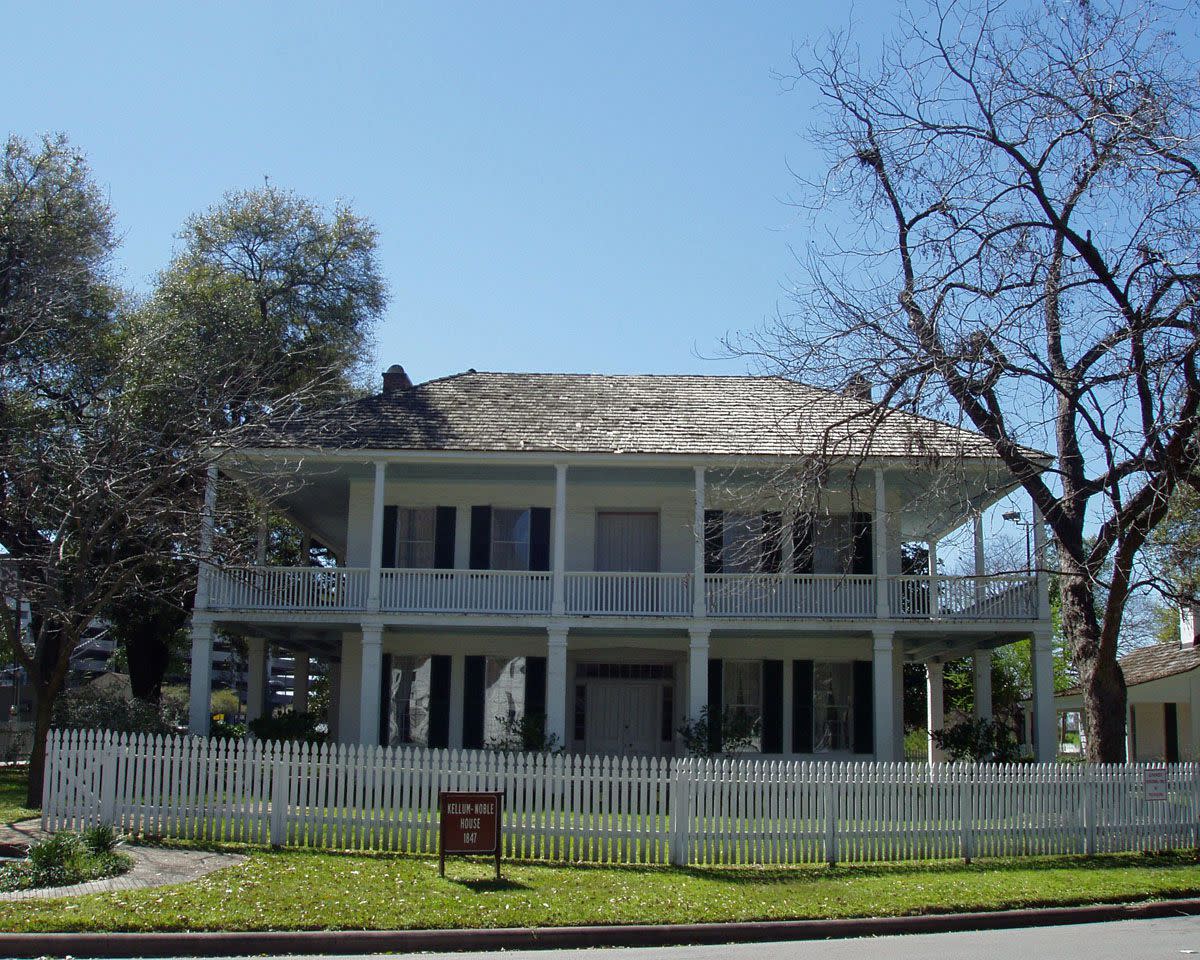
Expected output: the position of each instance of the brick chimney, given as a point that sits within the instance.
(395, 380)
(1189, 621)
(858, 387)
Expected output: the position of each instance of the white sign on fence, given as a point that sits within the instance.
(1155, 784)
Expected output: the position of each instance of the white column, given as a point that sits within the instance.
(884, 668)
(556, 684)
(199, 712)
(881, 550)
(1045, 725)
(458, 695)
(697, 673)
(934, 605)
(558, 563)
(1040, 559)
(699, 609)
(256, 678)
(935, 707)
(371, 670)
(373, 588)
(301, 665)
(980, 591)
(981, 663)
(207, 519)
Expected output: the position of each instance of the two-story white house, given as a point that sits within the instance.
(615, 553)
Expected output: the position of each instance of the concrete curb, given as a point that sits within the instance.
(226, 944)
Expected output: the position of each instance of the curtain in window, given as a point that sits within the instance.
(408, 716)
(627, 541)
(833, 685)
(742, 544)
(742, 690)
(415, 537)
(503, 697)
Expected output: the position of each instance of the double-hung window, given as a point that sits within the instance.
(415, 537)
(833, 713)
(510, 538)
(742, 694)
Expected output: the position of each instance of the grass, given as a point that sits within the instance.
(13, 780)
(297, 889)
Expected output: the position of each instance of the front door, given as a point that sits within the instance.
(621, 717)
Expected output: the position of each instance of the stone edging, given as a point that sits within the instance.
(225, 944)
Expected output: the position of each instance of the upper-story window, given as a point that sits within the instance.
(415, 536)
(742, 542)
(627, 541)
(510, 539)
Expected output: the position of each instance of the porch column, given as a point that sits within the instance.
(556, 684)
(376, 575)
(980, 568)
(207, 518)
(559, 560)
(697, 673)
(935, 707)
(934, 605)
(372, 682)
(885, 722)
(1045, 726)
(881, 551)
(1040, 560)
(199, 712)
(256, 678)
(981, 664)
(301, 665)
(699, 607)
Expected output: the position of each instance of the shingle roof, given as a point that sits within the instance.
(1154, 662)
(620, 414)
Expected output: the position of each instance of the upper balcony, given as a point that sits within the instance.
(746, 596)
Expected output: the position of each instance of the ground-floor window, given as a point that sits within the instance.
(408, 719)
(742, 694)
(503, 697)
(833, 713)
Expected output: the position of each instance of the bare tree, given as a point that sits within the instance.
(1009, 239)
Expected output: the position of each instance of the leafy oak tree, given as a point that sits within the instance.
(1008, 237)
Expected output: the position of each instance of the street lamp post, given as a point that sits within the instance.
(1014, 516)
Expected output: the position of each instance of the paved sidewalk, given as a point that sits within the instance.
(152, 866)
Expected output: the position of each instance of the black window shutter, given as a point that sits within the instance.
(772, 542)
(481, 538)
(439, 701)
(802, 706)
(445, 522)
(716, 691)
(714, 540)
(539, 538)
(391, 517)
(864, 706)
(772, 715)
(864, 550)
(385, 701)
(535, 686)
(1171, 733)
(802, 543)
(474, 680)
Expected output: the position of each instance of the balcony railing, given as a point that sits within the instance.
(730, 595)
(629, 594)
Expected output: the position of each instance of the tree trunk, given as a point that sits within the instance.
(42, 712)
(1095, 655)
(148, 652)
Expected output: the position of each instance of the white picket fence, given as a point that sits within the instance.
(633, 810)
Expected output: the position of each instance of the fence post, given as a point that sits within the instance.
(278, 800)
(965, 813)
(108, 783)
(1089, 812)
(679, 804)
(830, 819)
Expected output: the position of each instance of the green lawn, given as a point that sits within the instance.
(13, 781)
(277, 890)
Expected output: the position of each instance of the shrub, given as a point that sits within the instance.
(90, 709)
(65, 858)
(713, 734)
(288, 725)
(978, 740)
(56, 859)
(100, 839)
(525, 733)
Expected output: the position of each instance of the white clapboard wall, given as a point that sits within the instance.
(629, 810)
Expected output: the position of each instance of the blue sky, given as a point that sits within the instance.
(557, 187)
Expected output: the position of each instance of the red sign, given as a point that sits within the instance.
(470, 824)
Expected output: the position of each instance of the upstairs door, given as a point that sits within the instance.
(627, 541)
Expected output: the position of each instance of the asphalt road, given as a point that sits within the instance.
(1126, 940)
